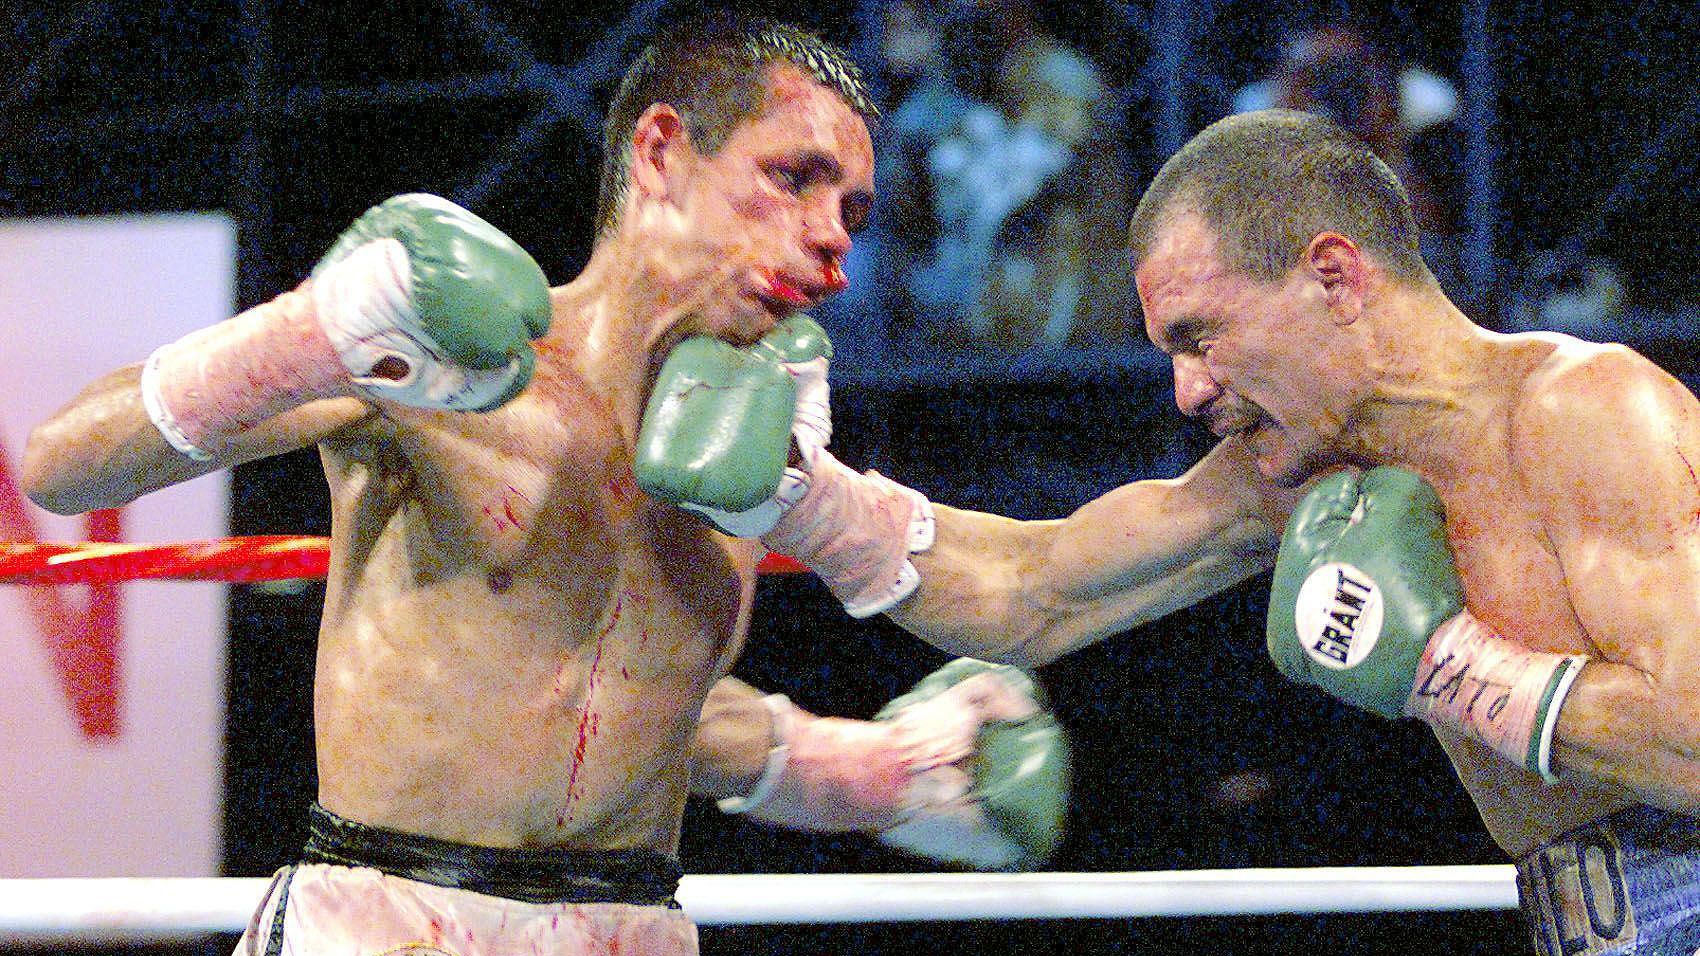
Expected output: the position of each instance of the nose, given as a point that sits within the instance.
(827, 235)
(1195, 387)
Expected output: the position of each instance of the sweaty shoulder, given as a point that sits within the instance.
(1601, 437)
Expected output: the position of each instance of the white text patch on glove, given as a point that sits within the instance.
(1338, 615)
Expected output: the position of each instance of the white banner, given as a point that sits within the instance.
(111, 698)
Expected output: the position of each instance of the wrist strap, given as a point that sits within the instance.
(1557, 691)
(1492, 689)
(856, 532)
(158, 413)
(778, 756)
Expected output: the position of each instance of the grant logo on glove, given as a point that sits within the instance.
(1338, 615)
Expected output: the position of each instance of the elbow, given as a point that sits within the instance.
(45, 480)
(1040, 622)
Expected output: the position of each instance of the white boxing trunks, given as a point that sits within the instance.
(366, 891)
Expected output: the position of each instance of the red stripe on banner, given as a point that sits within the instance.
(83, 649)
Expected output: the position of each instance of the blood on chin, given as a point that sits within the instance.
(783, 292)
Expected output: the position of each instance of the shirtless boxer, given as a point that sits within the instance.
(1276, 262)
(516, 642)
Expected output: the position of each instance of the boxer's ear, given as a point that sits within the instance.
(661, 149)
(1342, 270)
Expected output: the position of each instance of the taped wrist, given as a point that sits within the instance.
(856, 531)
(837, 775)
(1507, 696)
(214, 383)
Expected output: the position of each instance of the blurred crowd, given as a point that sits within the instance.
(1006, 179)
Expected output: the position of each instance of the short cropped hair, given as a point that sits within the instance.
(1268, 182)
(713, 70)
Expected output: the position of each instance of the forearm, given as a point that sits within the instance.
(101, 451)
(733, 741)
(1623, 726)
(1030, 591)
(968, 766)
(980, 593)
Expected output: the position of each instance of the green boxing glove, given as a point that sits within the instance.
(967, 768)
(1366, 604)
(419, 302)
(716, 438)
(717, 429)
(428, 305)
(990, 764)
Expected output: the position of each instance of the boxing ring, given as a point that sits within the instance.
(46, 911)
(161, 909)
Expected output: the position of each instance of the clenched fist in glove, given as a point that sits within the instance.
(1367, 605)
(967, 768)
(418, 302)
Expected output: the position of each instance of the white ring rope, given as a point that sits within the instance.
(111, 910)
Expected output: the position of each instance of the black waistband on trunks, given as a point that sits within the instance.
(528, 874)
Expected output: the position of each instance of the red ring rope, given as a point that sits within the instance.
(255, 558)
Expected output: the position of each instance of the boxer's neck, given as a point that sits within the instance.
(618, 318)
(1438, 391)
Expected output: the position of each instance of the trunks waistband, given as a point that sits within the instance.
(528, 874)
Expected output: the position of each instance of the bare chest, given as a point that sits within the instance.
(542, 491)
(1510, 569)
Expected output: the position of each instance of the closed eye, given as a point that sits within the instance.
(791, 180)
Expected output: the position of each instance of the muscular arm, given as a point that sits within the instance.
(732, 741)
(101, 451)
(1611, 450)
(1030, 591)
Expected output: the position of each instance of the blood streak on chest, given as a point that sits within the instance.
(1694, 481)
(504, 514)
(589, 721)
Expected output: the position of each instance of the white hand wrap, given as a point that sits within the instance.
(365, 303)
(856, 532)
(1505, 695)
(826, 774)
(778, 758)
(214, 383)
(910, 778)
